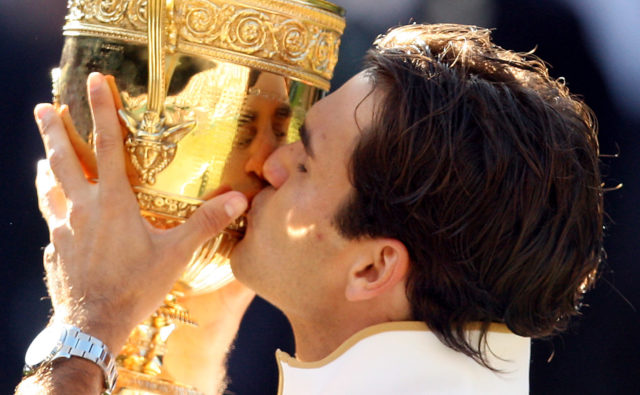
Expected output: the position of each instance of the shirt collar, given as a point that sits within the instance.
(499, 336)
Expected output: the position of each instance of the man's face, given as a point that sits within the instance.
(292, 253)
(262, 127)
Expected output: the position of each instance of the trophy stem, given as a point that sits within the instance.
(157, 92)
(140, 360)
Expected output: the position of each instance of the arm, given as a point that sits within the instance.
(102, 251)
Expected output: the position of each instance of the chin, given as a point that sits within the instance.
(238, 257)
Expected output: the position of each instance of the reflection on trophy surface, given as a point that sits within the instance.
(262, 126)
(206, 90)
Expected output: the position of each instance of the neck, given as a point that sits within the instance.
(315, 341)
(318, 335)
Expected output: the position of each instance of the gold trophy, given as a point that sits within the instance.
(206, 89)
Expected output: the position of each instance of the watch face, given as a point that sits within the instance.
(46, 344)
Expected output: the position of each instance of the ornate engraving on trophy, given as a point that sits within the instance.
(151, 144)
(172, 210)
(295, 39)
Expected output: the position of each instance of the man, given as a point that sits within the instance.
(441, 208)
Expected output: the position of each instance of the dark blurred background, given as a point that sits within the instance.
(594, 44)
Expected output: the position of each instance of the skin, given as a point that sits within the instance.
(196, 354)
(262, 128)
(292, 255)
(102, 251)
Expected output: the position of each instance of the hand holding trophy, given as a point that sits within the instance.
(206, 89)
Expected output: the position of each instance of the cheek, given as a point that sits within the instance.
(238, 160)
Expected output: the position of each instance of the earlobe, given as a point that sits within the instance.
(381, 269)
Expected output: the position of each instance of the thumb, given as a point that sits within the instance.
(208, 220)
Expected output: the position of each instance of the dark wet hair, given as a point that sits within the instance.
(487, 170)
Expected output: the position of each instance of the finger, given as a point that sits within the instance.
(115, 94)
(51, 199)
(83, 150)
(218, 191)
(49, 257)
(62, 158)
(210, 219)
(53, 204)
(108, 136)
(132, 173)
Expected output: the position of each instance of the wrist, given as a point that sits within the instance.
(64, 376)
(111, 332)
(63, 353)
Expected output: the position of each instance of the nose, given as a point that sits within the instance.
(259, 150)
(278, 165)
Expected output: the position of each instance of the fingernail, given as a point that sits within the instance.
(43, 112)
(95, 80)
(235, 206)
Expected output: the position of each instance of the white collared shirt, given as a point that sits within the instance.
(407, 358)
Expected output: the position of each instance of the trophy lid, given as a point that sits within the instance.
(294, 38)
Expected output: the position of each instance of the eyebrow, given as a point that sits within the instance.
(284, 111)
(306, 140)
(246, 117)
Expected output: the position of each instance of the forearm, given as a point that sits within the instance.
(64, 376)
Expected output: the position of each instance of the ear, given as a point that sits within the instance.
(382, 266)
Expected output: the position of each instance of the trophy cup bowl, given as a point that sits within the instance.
(206, 89)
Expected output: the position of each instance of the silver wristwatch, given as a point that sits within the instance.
(66, 341)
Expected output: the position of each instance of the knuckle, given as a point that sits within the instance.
(97, 100)
(58, 232)
(44, 187)
(53, 192)
(113, 201)
(44, 177)
(49, 251)
(57, 157)
(105, 142)
(46, 125)
(40, 183)
(78, 213)
(212, 221)
(49, 256)
(46, 204)
(43, 169)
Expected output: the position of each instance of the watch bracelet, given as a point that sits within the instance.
(91, 348)
(76, 343)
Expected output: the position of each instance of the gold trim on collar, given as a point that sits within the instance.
(283, 357)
